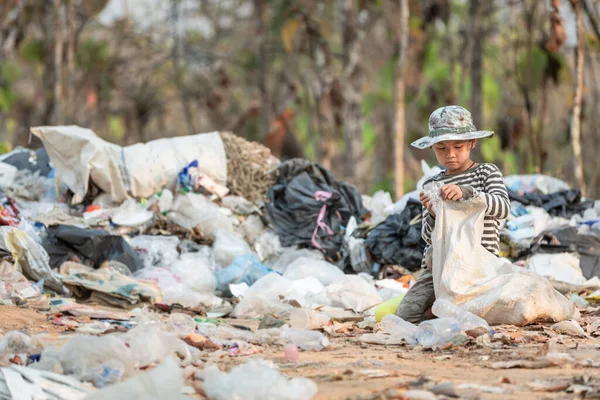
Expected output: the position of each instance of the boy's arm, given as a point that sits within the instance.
(427, 227)
(496, 196)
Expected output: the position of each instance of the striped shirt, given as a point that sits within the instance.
(486, 179)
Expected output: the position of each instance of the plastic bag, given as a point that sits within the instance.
(304, 267)
(228, 246)
(267, 245)
(535, 183)
(156, 251)
(255, 380)
(195, 270)
(562, 267)
(91, 246)
(132, 214)
(17, 342)
(162, 382)
(253, 227)
(150, 344)
(398, 240)
(175, 290)
(378, 204)
(265, 297)
(101, 360)
(353, 292)
(289, 255)
(307, 206)
(468, 275)
(31, 258)
(400, 205)
(192, 210)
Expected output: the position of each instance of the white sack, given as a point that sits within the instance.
(139, 170)
(466, 274)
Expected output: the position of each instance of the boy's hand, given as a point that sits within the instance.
(451, 192)
(427, 203)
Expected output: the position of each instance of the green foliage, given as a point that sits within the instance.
(532, 78)
(302, 131)
(369, 136)
(490, 149)
(8, 74)
(93, 55)
(5, 147)
(491, 94)
(33, 51)
(386, 184)
(116, 128)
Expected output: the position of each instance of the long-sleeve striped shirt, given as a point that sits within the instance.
(486, 179)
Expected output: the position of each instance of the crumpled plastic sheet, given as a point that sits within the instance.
(31, 258)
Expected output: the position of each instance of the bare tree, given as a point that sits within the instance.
(70, 102)
(58, 59)
(260, 10)
(576, 115)
(176, 56)
(400, 100)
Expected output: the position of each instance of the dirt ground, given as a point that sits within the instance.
(349, 369)
(353, 371)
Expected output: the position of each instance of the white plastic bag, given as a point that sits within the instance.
(378, 204)
(353, 292)
(265, 297)
(532, 183)
(162, 382)
(289, 255)
(139, 170)
(466, 274)
(156, 251)
(304, 267)
(255, 380)
(195, 270)
(400, 205)
(228, 246)
(192, 210)
(562, 267)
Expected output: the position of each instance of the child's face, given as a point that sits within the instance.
(454, 154)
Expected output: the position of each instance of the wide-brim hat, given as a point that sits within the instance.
(450, 123)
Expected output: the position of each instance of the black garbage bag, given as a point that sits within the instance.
(560, 204)
(32, 160)
(566, 239)
(308, 207)
(92, 246)
(397, 241)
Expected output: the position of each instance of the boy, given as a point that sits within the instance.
(452, 136)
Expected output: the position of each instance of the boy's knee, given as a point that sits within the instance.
(418, 299)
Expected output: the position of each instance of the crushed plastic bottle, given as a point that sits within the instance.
(445, 309)
(437, 331)
(308, 319)
(398, 327)
(304, 339)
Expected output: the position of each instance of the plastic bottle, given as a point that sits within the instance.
(437, 331)
(398, 327)
(304, 339)
(307, 319)
(443, 308)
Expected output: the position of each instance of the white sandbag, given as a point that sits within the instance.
(140, 170)
(466, 274)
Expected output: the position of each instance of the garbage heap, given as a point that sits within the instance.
(158, 253)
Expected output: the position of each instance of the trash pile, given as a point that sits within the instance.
(152, 257)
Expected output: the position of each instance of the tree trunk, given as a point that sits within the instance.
(58, 58)
(354, 168)
(527, 87)
(400, 100)
(261, 52)
(70, 113)
(576, 116)
(476, 64)
(176, 55)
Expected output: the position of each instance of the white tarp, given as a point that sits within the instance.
(139, 170)
(466, 274)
